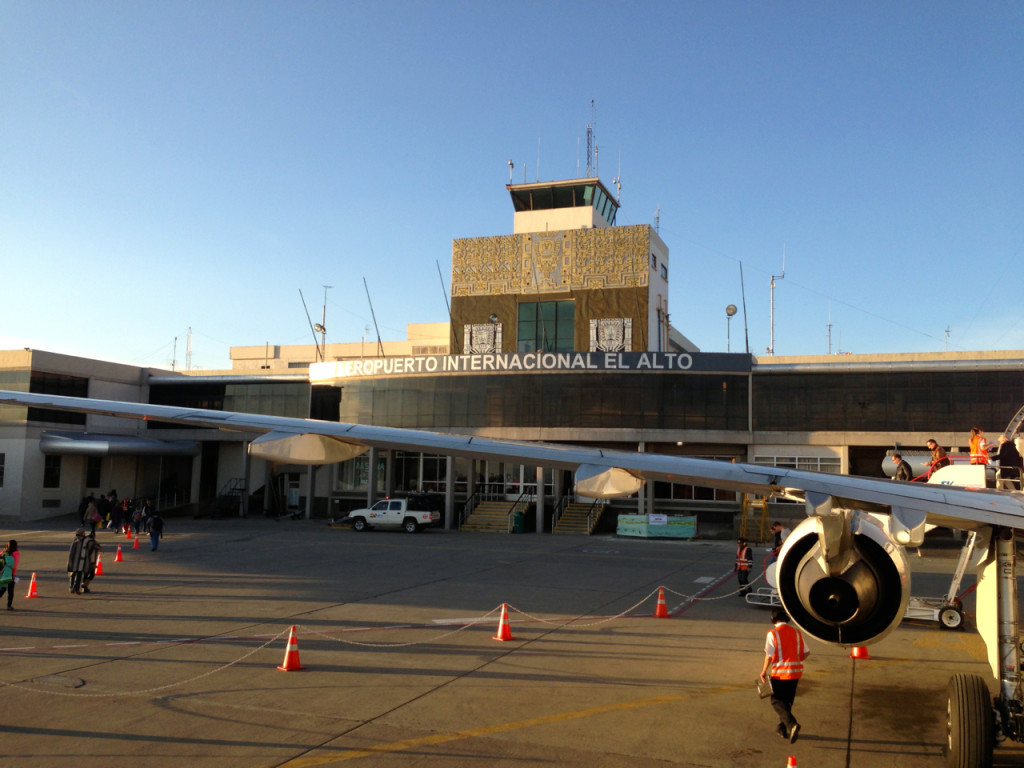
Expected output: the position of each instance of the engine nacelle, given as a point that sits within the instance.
(842, 579)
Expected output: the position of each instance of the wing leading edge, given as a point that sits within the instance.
(600, 472)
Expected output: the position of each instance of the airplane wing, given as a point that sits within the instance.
(600, 473)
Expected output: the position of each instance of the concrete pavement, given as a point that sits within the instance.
(172, 660)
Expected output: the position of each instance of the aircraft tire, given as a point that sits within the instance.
(970, 729)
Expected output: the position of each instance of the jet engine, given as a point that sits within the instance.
(843, 579)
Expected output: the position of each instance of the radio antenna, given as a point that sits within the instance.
(743, 294)
(380, 345)
(311, 328)
(591, 150)
(451, 322)
(771, 308)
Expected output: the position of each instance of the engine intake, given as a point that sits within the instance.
(854, 596)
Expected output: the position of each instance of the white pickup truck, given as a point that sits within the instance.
(410, 515)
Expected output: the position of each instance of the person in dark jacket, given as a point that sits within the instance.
(78, 561)
(156, 529)
(1011, 466)
(903, 470)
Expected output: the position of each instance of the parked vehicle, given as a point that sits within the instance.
(411, 515)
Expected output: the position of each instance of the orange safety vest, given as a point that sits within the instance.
(744, 558)
(979, 454)
(788, 660)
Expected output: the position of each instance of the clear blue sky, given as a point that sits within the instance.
(195, 164)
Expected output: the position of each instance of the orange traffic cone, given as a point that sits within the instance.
(791, 763)
(127, 532)
(99, 564)
(32, 587)
(136, 544)
(661, 612)
(117, 557)
(291, 654)
(860, 652)
(504, 630)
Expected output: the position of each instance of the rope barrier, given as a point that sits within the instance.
(112, 694)
(574, 621)
(467, 625)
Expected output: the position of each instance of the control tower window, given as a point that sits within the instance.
(546, 326)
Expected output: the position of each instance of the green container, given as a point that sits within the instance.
(518, 522)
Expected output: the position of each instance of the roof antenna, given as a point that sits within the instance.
(617, 181)
(445, 292)
(657, 219)
(591, 150)
(312, 330)
(771, 308)
(380, 345)
(743, 294)
(511, 165)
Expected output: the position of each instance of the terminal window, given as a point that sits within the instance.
(546, 326)
(51, 472)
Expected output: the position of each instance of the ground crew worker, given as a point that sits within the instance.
(784, 654)
(979, 446)
(744, 560)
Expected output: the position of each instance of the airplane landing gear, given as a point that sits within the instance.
(970, 728)
(973, 716)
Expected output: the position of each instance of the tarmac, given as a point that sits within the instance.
(172, 661)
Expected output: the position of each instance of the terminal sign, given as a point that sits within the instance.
(530, 361)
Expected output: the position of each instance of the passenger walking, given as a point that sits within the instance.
(92, 553)
(780, 534)
(92, 514)
(979, 446)
(78, 560)
(156, 529)
(784, 654)
(744, 561)
(1010, 465)
(939, 459)
(903, 470)
(9, 571)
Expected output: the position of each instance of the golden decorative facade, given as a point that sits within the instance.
(552, 262)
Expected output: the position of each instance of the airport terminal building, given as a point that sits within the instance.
(559, 332)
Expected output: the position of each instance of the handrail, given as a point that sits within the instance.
(469, 505)
(590, 515)
(512, 509)
(556, 513)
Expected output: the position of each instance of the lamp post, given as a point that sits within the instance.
(729, 312)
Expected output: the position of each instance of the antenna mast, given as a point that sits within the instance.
(591, 149)
(771, 287)
(188, 350)
(657, 219)
(312, 328)
(380, 345)
(617, 181)
(828, 326)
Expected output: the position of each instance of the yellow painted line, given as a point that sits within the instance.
(489, 730)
